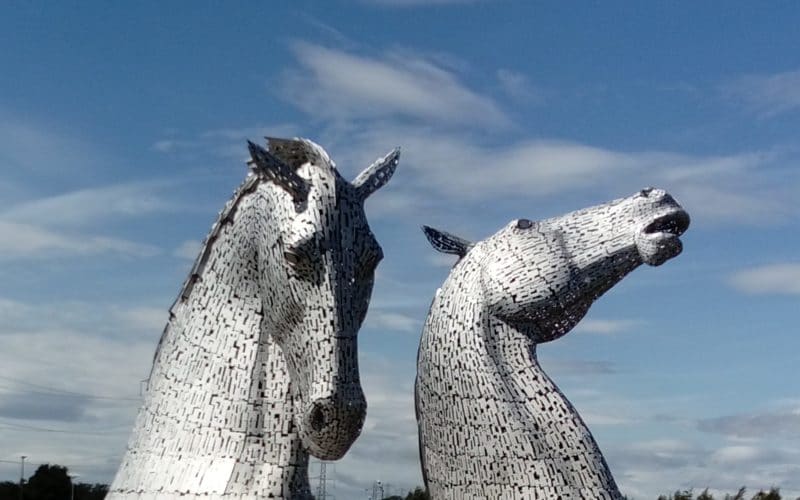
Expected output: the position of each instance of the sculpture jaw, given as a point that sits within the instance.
(659, 241)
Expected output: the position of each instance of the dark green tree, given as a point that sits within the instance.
(705, 495)
(738, 496)
(85, 491)
(419, 493)
(49, 482)
(9, 490)
(772, 494)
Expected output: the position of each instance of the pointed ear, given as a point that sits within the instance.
(267, 165)
(446, 242)
(377, 174)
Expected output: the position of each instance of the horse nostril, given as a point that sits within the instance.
(317, 418)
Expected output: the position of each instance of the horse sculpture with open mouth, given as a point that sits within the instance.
(257, 366)
(492, 425)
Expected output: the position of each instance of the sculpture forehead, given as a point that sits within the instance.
(333, 209)
(621, 212)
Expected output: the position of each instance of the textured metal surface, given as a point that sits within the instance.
(492, 424)
(257, 366)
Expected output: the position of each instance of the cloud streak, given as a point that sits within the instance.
(28, 242)
(766, 95)
(89, 206)
(776, 424)
(333, 84)
(606, 326)
(772, 279)
(464, 169)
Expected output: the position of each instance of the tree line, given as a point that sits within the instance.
(52, 482)
(772, 494)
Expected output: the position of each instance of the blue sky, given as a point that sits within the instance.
(122, 133)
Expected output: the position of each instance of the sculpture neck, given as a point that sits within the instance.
(515, 429)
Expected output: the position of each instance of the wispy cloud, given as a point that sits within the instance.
(660, 466)
(767, 95)
(518, 86)
(775, 424)
(463, 168)
(333, 84)
(579, 367)
(88, 206)
(606, 326)
(227, 143)
(189, 249)
(75, 369)
(392, 321)
(25, 241)
(779, 279)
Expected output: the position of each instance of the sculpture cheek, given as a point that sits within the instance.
(504, 289)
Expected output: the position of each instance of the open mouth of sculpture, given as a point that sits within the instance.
(659, 240)
(674, 223)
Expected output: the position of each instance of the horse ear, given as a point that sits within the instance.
(268, 165)
(446, 242)
(377, 174)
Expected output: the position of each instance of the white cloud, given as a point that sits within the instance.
(767, 95)
(649, 468)
(225, 143)
(606, 326)
(145, 319)
(25, 241)
(593, 419)
(779, 279)
(441, 259)
(459, 167)
(64, 368)
(784, 423)
(88, 206)
(168, 145)
(334, 84)
(738, 454)
(517, 86)
(378, 319)
(189, 249)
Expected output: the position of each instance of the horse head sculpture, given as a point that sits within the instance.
(479, 383)
(258, 365)
(319, 294)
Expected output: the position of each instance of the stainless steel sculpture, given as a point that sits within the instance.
(257, 366)
(492, 425)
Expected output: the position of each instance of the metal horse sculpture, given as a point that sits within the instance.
(492, 425)
(257, 366)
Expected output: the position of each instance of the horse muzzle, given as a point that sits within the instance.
(328, 426)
